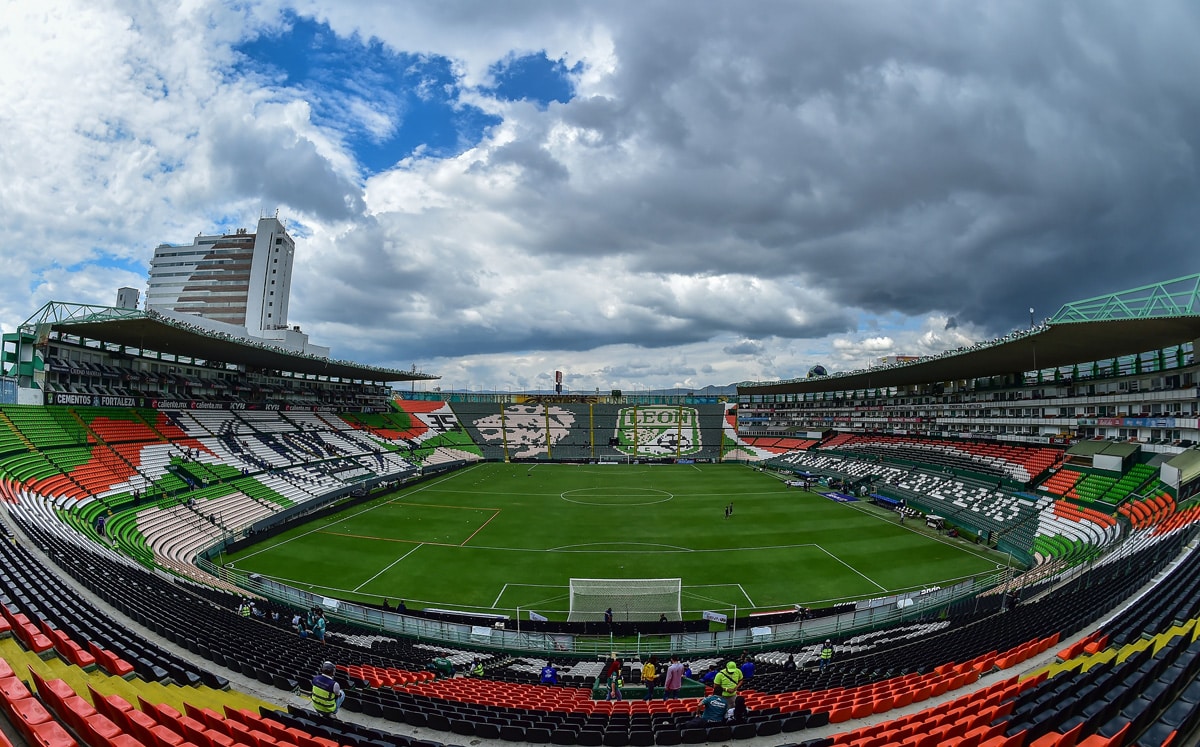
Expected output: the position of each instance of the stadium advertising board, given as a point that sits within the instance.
(92, 400)
(1130, 422)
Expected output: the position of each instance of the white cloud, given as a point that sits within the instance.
(729, 196)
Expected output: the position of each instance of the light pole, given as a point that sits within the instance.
(1031, 317)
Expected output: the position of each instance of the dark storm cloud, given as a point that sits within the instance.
(968, 158)
(744, 347)
(278, 166)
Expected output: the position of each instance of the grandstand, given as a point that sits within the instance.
(155, 447)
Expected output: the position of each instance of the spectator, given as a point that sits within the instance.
(790, 664)
(673, 681)
(649, 674)
(826, 654)
(710, 712)
(327, 694)
(727, 680)
(318, 626)
(615, 683)
(737, 714)
(613, 665)
(747, 668)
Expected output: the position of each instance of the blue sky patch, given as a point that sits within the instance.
(534, 78)
(385, 103)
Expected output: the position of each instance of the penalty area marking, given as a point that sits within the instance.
(504, 588)
(388, 567)
(822, 549)
(748, 599)
(426, 486)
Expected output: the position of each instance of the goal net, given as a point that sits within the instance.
(629, 598)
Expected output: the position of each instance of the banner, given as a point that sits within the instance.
(536, 617)
(716, 617)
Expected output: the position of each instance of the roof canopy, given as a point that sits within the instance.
(1151, 317)
(1051, 346)
(153, 332)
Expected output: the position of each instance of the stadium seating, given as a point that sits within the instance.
(1020, 463)
(874, 673)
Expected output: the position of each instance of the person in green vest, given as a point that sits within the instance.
(476, 668)
(727, 680)
(615, 683)
(327, 694)
(826, 654)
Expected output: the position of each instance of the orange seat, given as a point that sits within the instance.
(839, 715)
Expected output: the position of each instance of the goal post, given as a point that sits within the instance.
(629, 598)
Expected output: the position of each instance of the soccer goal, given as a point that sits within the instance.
(629, 598)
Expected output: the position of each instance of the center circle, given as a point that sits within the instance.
(616, 496)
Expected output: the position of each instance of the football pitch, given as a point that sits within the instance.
(501, 537)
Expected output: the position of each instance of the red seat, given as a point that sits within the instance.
(74, 710)
(164, 737)
(49, 734)
(98, 729)
(12, 689)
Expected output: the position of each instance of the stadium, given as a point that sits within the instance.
(997, 542)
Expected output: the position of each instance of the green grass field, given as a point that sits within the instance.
(495, 537)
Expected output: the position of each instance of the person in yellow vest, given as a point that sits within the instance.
(476, 668)
(327, 694)
(826, 655)
(727, 680)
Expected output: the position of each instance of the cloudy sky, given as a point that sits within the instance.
(640, 194)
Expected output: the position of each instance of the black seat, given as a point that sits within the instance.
(589, 738)
(744, 731)
(769, 728)
(392, 713)
(617, 737)
(372, 708)
(512, 733)
(641, 738)
(694, 736)
(667, 737)
(793, 724)
(416, 718)
(720, 733)
(437, 721)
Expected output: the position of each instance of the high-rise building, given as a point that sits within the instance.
(243, 278)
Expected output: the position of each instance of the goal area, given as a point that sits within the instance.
(629, 598)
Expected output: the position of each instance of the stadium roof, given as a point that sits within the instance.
(1153, 317)
(153, 332)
